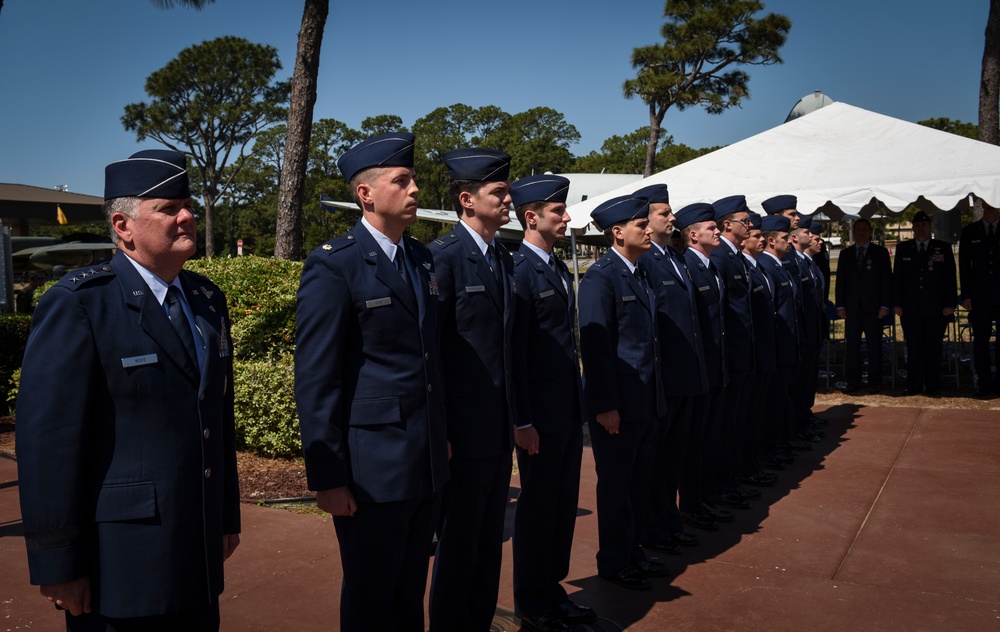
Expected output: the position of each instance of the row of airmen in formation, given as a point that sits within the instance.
(418, 370)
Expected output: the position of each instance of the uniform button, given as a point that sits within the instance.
(208, 472)
(201, 397)
(429, 388)
(206, 433)
(427, 356)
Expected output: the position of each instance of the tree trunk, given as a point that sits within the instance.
(989, 86)
(209, 201)
(654, 140)
(288, 232)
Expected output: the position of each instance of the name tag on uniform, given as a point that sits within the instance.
(470, 289)
(546, 293)
(670, 283)
(378, 302)
(703, 288)
(626, 299)
(759, 288)
(738, 277)
(975, 241)
(784, 284)
(149, 358)
(907, 259)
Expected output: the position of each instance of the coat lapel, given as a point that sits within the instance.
(152, 318)
(482, 266)
(385, 271)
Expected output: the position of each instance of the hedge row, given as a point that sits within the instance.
(261, 297)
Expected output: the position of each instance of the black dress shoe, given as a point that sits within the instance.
(701, 520)
(811, 436)
(670, 547)
(818, 420)
(852, 388)
(787, 459)
(748, 492)
(771, 464)
(573, 613)
(732, 500)
(874, 390)
(799, 446)
(630, 578)
(652, 568)
(933, 393)
(544, 623)
(759, 481)
(685, 539)
(910, 392)
(720, 515)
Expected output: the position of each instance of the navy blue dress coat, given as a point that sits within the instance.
(368, 371)
(786, 320)
(682, 358)
(126, 449)
(738, 314)
(618, 343)
(477, 323)
(709, 297)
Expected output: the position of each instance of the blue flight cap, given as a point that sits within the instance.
(394, 149)
(816, 228)
(693, 213)
(619, 209)
(778, 223)
(755, 220)
(731, 204)
(655, 193)
(151, 173)
(805, 221)
(479, 165)
(779, 203)
(544, 187)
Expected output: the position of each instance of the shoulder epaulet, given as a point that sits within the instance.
(335, 245)
(519, 257)
(84, 276)
(448, 240)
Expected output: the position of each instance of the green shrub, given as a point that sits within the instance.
(266, 420)
(14, 329)
(12, 384)
(261, 297)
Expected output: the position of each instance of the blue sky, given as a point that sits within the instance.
(69, 67)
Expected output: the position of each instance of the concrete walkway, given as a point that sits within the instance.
(890, 524)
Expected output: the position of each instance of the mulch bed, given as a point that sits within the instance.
(261, 478)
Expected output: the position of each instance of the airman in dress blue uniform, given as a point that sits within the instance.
(924, 297)
(699, 482)
(127, 474)
(623, 389)
(774, 231)
(475, 277)
(549, 435)
(765, 360)
(682, 370)
(732, 217)
(369, 391)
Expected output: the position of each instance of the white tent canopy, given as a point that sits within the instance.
(839, 160)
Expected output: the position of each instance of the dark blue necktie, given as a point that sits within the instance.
(180, 322)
